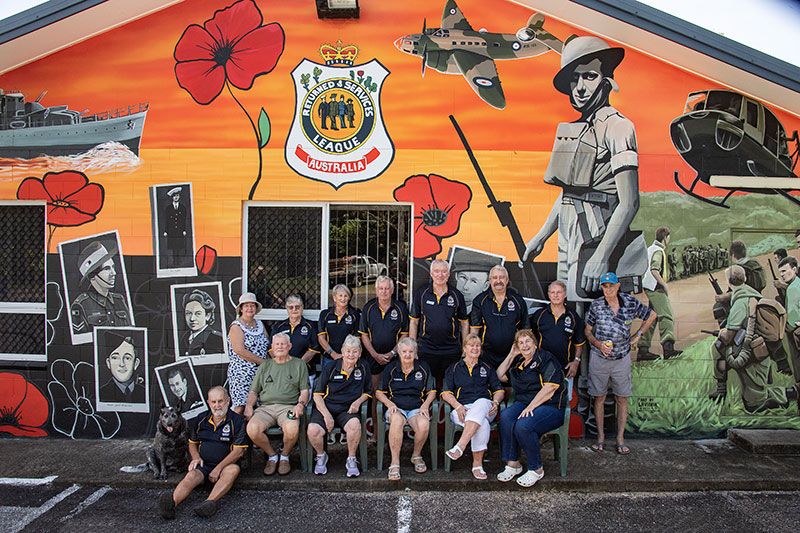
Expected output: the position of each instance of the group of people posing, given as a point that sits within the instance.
(498, 361)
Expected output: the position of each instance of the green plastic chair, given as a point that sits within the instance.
(433, 434)
(362, 445)
(302, 443)
(451, 430)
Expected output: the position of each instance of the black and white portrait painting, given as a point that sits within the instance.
(121, 370)
(173, 230)
(178, 383)
(95, 285)
(199, 323)
(469, 270)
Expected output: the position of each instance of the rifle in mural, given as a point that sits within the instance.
(720, 310)
(772, 270)
(530, 281)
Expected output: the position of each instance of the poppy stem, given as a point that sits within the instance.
(50, 232)
(258, 140)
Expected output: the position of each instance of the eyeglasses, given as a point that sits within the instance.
(295, 306)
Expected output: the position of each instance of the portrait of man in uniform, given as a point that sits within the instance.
(95, 285)
(595, 162)
(173, 226)
(121, 375)
(199, 323)
(469, 271)
(178, 383)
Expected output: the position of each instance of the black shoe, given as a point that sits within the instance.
(720, 393)
(646, 355)
(166, 506)
(669, 349)
(206, 509)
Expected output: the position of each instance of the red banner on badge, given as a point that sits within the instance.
(337, 167)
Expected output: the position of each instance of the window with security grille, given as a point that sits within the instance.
(309, 249)
(22, 282)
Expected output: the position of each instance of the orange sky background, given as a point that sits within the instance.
(213, 146)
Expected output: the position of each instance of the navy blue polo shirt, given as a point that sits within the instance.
(469, 384)
(215, 442)
(499, 322)
(558, 335)
(303, 336)
(384, 329)
(528, 380)
(407, 391)
(439, 329)
(340, 390)
(336, 328)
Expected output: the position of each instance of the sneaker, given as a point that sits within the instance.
(352, 467)
(509, 473)
(206, 509)
(529, 478)
(321, 466)
(166, 506)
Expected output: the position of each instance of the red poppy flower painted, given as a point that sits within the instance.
(23, 409)
(71, 199)
(438, 206)
(232, 46)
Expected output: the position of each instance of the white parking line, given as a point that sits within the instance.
(16, 518)
(403, 515)
(93, 497)
(26, 481)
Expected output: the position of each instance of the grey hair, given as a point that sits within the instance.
(294, 298)
(384, 277)
(341, 287)
(735, 275)
(351, 340)
(407, 341)
(283, 336)
(501, 268)
(438, 262)
(219, 388)
(559, 283)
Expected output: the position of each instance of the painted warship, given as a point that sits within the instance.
(30, 129)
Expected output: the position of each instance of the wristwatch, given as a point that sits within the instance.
(578, 359)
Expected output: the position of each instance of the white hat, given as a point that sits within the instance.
(248, 298)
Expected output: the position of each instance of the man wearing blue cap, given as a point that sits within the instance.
(608, 331)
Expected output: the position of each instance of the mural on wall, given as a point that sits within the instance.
(723, 133)
(456, 48)
(338, 135)
(71, 199)
(605, 189)
(173, 230)
(178, 383)
(232, 48)
(23, 407)
(199, 323)
(31, 130)
(121, 364)
(469, 269)
(89, 268)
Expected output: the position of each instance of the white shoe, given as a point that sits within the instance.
(321, 468)
(509, 473)
(529, 478)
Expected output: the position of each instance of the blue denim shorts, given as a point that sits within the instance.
(411, 413)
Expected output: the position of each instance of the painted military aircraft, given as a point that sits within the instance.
(456, 48)
(735, 143)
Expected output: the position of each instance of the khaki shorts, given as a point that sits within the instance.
(272, 415)
(615, 372)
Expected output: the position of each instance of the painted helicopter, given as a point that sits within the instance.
(456, 48)
(735, 143)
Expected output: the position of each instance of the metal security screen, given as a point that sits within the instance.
(284, 251)
(22, 282)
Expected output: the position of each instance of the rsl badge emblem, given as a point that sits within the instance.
(338, 135)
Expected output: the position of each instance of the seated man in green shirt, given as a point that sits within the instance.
(281, 390)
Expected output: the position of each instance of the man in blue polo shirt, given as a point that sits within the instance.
(217, 441)
(384, 321)
(608, 330)
(439, 320)
(558, 329)
(497, 314)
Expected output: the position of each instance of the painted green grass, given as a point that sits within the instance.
(671, 398)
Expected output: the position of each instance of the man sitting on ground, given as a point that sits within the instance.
(217, 441)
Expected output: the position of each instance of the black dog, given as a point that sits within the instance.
(170, 448)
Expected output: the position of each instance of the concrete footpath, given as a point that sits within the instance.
(750, 460)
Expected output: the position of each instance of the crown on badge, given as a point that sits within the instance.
(338, 55)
